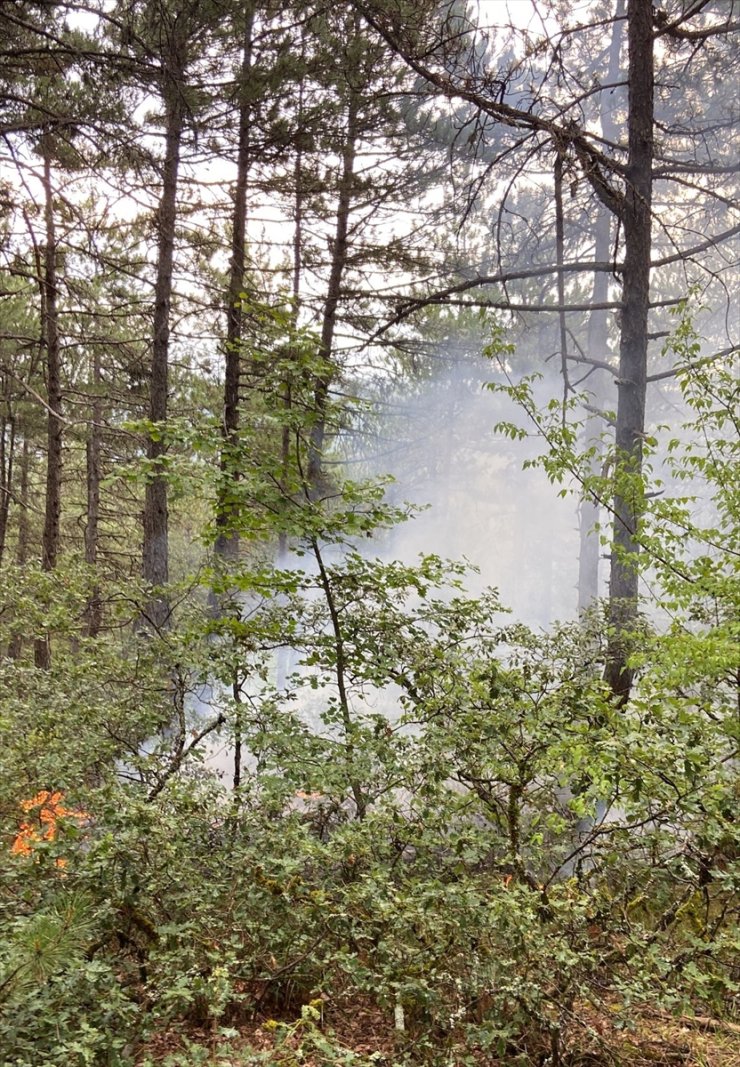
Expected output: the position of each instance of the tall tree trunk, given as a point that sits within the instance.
(632, 382)
(283, 653)
(155, 548)
(298, 213)
(22, 548)
(94, 443)
(227, 540)
(7, 461)
(53, 500)
(226, 547)
(598, 342)
(333, 293)
(24, 531)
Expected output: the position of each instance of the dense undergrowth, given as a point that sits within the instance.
(525, 851)
(439, 816)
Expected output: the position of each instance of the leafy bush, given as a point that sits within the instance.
(436, 810)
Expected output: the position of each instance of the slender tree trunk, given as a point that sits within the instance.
(226, 547)
(598, 348)
(632, 382)
(340, 675)
(285, 443)
(7, 461)
(560, 259)
(597, 342)
(155, 548)
(227, 540)
(24, 532)
(94, 443)
(298, 217)
(283, 654)
(238, 729)
(22, 549)
(53, 500)
(333, 293)
(52, 514)
(296, 294)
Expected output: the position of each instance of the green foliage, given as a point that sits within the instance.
(467, 893)
(438, 812)
(329, 778)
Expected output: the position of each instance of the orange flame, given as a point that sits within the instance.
(44, 827)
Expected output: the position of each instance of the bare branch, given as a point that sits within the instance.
(731, 351)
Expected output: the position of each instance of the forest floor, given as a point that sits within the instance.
(363, 1036)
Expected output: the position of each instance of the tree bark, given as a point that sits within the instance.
(15, 646)
(24, 532)
(7, 461)
(296, 274)
(283, 653)
(333, 294)
(227, 540)
(54, 436)
(597, 348)
(589, 510)
(632, 381)
(52, 513)
(155, 548)
(92, 527)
